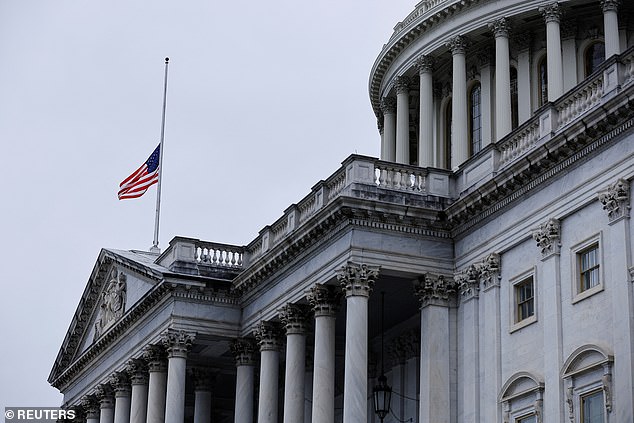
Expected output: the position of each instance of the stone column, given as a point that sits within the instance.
(268, 335)
(401, 85)
(388, 148)
(611, 27)
(524, 105)
(243, 350)
(616, 202)
(105, 396)
(177, 343)
(552, 15)
(293, 316)
(486, 97)
(434, 294)
(324, 300)
(500, 29)
(157, 385)
(138, 371)
(424, 64)
(548, 237)
(203, 380)
(469, 287)
(91, 408)
(459, 115)
(357, 281)
(121, 384)
(568, 32)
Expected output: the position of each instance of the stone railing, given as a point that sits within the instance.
(218, 254)
(422, 11)
(400, 178)
(187, 254)
(583, 98)
(522, 140)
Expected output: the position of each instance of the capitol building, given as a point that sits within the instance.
(480, 271)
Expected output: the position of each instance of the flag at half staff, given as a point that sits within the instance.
(144, 177)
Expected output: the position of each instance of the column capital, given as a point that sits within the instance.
(433, 290)
(548, 236)
(401, 84)
(379, 123)
(457, 45)
(388, 105)
(490, 271)
(203, 378)
(616, 199)
(293, 316)
(324, 299)
(121, 384)
(568, 29)
(90, 404)
(177, 342)
(500, 27)
(105, 395)
(610, 5)
(424, 63)
(243, 350)
(522, 41)
(155, 357)
(269, 336)
(468, 282)
(138, 371)
(551, 12)
(357, 279)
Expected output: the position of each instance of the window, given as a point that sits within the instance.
(475, 118)
(524, 299)
(514, 100)
(542, 71)
(589, 267)
(593, 57)
(592, 407)
(526, 419)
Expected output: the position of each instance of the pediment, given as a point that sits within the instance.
(118, 281)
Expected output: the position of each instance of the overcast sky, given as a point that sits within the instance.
(265, 99)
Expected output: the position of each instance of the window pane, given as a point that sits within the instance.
(476, 126)
(589, 268)
(543, 82)
(524, 298)
(527, 419)
(592, 407)
(595, 55)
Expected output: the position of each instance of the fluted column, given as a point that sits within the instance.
(552, 15)
(356, 281)
(91, 408)
(424, 64)
(268, 335)
(459, 115)
(105, 396)
(401, 85)
(293, 316)
(157, 366)
(611, 27)
(243, 351)
(388, 148)
(177, 343)
(203, 380)
(324, 301)
(138, 371)
(434, 294)
(503, 124)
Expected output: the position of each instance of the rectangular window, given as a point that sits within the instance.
(589, 267)
(592, 407)
(527, 419)
(524, 299)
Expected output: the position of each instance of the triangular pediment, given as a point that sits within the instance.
(118, 281)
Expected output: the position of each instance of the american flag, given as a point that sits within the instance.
(141, 179)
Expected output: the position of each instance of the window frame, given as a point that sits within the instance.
(577, 251)
(472, 143)
(515, 282)
(591, 392)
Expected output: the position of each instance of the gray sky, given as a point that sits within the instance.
(265, 99)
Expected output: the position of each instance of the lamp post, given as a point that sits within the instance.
(382, 392)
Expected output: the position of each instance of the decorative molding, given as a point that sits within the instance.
(112, 302)
(457, 45)
(500, 27)
(606, 381)
(424, 63)
(90, 405)
(548, 236)
(431, 289)
(388, 105)
(268, 335)
(324, 300)
(616, 200)
(485, 272)
(539, 410)
(121, 384)
(571, 404)
(551, 12)
(138, 371)
(490, 271)
(244, 351)
(357, 279)
(610, 5)
(155, 356)
(105, 395)
(177, 342)
(294, 318)
(402, 84)
(468, 282)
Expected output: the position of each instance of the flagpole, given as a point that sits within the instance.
(155, 248)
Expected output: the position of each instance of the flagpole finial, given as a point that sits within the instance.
(167, 59)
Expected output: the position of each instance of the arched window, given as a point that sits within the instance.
(542, 72)
(448, 126)
(475, 118)
(593, 57)
(514, 110)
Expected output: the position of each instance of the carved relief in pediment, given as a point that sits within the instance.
(112, 302)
